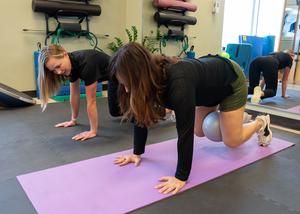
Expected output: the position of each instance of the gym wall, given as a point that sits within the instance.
(17, 47)
(208, 30)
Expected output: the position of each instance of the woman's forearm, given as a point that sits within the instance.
(93, 116)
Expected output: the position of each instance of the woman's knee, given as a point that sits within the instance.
(233, 143)
(269, 93)
(272, 93)
(198, 133)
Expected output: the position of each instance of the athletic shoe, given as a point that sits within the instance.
(170, 116)
(265, 133)
(256, 95)
(247, 117)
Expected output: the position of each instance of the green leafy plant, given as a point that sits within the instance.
(114, 46)
(151, 42)
(132, 35)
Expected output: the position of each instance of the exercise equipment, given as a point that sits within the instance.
(295, 109)
(172, 13)
(77, 0)
(241, 54)
(81, 187)
(10, 97)
(175, 4)
(224, 53)
(163, 18)
(69, 16)
(211, 125)
(256, 42)
(65, 8)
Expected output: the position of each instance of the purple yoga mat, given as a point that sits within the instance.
(98, 186)
(295, 109)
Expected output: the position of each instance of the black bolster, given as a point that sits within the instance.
(174, 19)
(54, 7)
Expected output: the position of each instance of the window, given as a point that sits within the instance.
(252, 17)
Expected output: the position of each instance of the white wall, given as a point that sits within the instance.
(17, 47)
(134, 14)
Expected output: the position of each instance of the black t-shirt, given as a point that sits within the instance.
(190, 83)
(284, 59)
(89, 65)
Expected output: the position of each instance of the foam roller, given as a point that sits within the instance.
(174, 19)
(52, 7)
(175, 33)
(77, 0)
(175, 4)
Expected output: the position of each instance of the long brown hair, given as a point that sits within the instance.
(143, 76)
(49, 82)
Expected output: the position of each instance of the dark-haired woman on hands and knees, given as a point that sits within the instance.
(192, 88)
(56, 65)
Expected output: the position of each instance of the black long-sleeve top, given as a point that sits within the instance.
(89, 65)
(284, 59)
(190, 83)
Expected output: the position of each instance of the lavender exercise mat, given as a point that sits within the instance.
(98, 186)
(295, 109)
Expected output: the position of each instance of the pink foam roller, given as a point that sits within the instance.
(175, 4)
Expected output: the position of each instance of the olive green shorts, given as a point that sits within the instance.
(239, 96)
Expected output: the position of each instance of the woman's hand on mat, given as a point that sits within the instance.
(123, 160)
(66, 124)
(170, 184)
(84, 135)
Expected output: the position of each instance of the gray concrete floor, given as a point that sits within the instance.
(29, 142)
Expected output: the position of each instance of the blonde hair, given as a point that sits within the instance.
(49, 82)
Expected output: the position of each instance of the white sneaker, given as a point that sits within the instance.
(256, 95)
(170, 116)
(265, 133)
(247, 117)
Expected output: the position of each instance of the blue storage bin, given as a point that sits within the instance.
(82, 88)
(268, 45)
(256, 42)
(36, 70)
(241, 54)
(64, 90)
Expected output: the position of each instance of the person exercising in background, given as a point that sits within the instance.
(268, 67)
(192, 88)
(56, 65)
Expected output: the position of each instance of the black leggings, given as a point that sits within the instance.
(268, 67)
